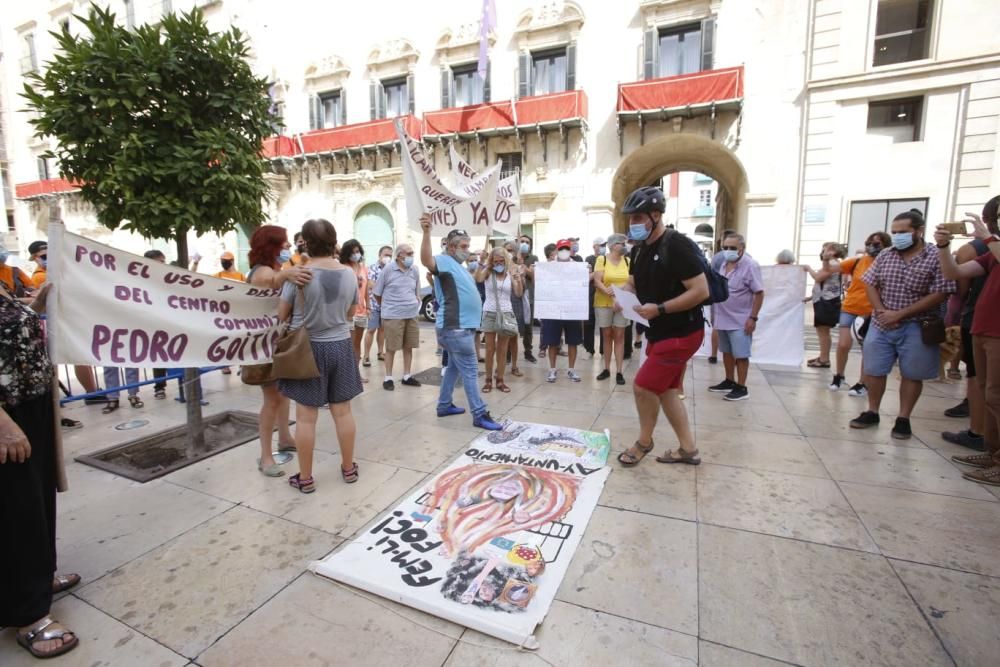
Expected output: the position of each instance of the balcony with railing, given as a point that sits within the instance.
(346, 141)
(48, 186)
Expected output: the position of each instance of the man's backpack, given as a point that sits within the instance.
(718, 284)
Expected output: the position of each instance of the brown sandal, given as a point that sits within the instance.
(516, 372)
(680, 456)
(634, 454)
(502, 387)
(488, 387)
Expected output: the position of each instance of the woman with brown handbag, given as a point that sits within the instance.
(499, 325)
(325, 307)
(269, 249)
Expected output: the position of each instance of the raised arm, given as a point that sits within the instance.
(426, 252)
(951, 269)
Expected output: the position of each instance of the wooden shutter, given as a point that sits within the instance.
(374, 91)
(410, 92)
(649, 43)
(315, 112)
(524, 75)
(343, 106)
(571, 66)
(446, 93)
(486, 82)
(708, 43)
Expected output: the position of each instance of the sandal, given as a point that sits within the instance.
(366, 362)
(135, 402)
(818, 363)
(66, 422)
(680, 456)
(273, 470)
(516, 372)
(954, 374)
(487, 387)
(351, 474)
(110, 407)
(303, 485)
(160, 394)
(634, 454)
(287, 448)
(64, 582)
(380, 356)
(502, 387)
(47, 630)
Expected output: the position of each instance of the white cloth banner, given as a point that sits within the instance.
(780, 336)
(470, 209)
(112, 308)
(562, 290)
(506, 217)
(486, 542)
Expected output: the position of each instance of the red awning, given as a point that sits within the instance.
(567, 106)
(548, 108)
(680, 91)
(279, 146)
(358, 135)
(47, 187)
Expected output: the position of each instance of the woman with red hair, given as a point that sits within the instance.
(269, 249)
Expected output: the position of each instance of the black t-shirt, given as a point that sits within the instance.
(658, 270)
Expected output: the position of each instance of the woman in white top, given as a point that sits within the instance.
(500, 285)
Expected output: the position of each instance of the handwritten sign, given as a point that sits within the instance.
(506, 218)
(112, 308)
(471, 208)
(562, 290)
(486, 542)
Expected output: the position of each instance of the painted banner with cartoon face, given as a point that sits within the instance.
(486, 542)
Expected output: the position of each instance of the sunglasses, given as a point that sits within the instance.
(45, 257)
(730, 247)
(457, 232)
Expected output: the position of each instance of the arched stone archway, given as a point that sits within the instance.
(685, 152)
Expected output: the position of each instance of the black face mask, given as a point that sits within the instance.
(227, 264)
(300, 248)
(873, 250)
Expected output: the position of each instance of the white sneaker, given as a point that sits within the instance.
(838, 381)
(553, 373)
(858, 390)
(571, 374)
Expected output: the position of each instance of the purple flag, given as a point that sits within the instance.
(486, 25)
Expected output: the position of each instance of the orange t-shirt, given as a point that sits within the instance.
(362, 309)
(856, 299)
(39, 277)
(231, 275)
(7, 276)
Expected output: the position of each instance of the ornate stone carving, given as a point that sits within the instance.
(392, 51)
(553, 14)
(327, 67)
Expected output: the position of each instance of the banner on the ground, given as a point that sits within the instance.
(562, 290)
(471, 208)
(486, 542)
(780, 337)
(109, 307)
(506, 216)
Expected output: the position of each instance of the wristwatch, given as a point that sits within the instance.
(660, 308)
(753, 318)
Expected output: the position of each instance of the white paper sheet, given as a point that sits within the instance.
(562, 290)
(628, 301)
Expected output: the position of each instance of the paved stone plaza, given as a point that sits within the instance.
(797, 540)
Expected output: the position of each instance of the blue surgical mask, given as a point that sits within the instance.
(731, 255)
(356, 257)
(902, 240)
(499, 268)
(461, 255)
(42, 262)
(638, 232)
(407, 262)
(473, 265)
(284, 256)
(525, 248)
(575, 248)
(601, 251)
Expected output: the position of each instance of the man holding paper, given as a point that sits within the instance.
(667, 274)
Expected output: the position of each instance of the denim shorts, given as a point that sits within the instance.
(917, 361)
(735, 342)
(847, 319)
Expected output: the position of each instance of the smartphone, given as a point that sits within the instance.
(956, 227)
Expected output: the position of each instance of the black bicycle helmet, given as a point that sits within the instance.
(644, 200)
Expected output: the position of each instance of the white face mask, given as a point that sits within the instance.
(356, 257)
(563, 255)
(384, 259)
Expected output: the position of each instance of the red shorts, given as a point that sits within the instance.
(666, 361)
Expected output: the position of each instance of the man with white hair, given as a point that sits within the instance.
(397, 292)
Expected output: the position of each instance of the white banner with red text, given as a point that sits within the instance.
(109, 307)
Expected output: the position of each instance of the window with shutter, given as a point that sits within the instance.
(649, 44)
(486, 83)
(313, 115)
(524, 75)
(395, 99)
(680, 50)
(467, 86)
(549, 71)
(446, 88)
(343, 106)
(329, 109)
(708, 43)
(375, 95)
(571, 66)
(410, 96)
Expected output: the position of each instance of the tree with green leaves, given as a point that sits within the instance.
(161, 127)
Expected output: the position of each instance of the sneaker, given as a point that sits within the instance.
(975, 460)
(975, 442)
(604, 375)
(451, 410)
(738, 393)
(713, 360)
(901, 430)
(960, 410)
(638, 344)
(551, 377)
(838, 381)
(989, 476)
(485, 421)
(68, 423)
(388, 385)
(723, 387)
(866, 419)
(411, 381)
(619, 379)
(529, 357)
(571, 374)
(858, 389)
(159, 394)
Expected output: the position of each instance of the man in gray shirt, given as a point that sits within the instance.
(397, 292)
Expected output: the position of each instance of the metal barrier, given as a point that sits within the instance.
(175, 374)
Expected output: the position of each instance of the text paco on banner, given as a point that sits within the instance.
(112, 308)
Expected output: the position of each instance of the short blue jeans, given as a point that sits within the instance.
(917, 361)
(462, 360)
(735, 342)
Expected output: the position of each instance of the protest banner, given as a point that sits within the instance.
(109, 307)
(562, 290)
(486, 542)
(470, 208)
(779, 337)
(506, 217)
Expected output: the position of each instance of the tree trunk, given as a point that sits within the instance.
(192, 380)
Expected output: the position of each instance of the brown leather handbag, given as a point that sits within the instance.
(293, 356)
(257, 374)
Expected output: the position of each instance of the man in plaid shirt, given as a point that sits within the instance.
(906, 287)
